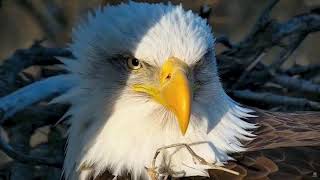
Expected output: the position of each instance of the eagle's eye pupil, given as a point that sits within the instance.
(134, 63)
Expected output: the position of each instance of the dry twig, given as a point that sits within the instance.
(154, 174)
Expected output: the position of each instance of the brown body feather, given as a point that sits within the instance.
(285, 130)
(287, 146)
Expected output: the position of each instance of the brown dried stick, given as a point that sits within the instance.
(153, 170)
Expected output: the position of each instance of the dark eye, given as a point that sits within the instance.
(134, 63)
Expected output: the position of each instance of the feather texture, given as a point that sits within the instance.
(115, 129)
(287, 147)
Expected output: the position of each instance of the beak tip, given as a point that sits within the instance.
(184, 126)
(183, 132)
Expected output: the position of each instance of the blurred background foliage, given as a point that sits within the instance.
(24, 21)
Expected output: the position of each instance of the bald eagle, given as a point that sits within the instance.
(147, 78)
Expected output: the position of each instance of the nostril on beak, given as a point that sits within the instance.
(168, 76)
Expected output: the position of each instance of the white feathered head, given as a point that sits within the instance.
(147, 77)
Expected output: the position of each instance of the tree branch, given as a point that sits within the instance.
(34, 93)
(27, 158)
(295, 84)
(24, 58)
(275, 100)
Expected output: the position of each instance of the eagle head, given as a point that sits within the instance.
(147, 77)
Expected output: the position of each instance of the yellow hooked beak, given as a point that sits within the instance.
(173, 92)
